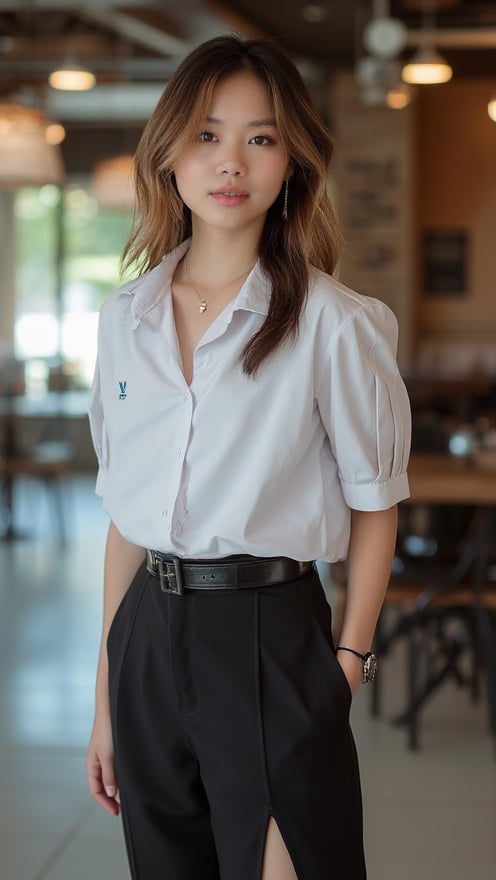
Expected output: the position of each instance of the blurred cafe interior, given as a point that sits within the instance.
(408, 88)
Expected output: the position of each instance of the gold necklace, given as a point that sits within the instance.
(202, 300)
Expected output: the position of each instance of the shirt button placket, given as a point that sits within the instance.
(177, 525)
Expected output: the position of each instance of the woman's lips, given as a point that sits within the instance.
(229, 197)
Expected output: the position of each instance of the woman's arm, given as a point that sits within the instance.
(370, 556)
(122, 561)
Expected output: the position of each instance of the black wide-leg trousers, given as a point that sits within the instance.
(229, 707)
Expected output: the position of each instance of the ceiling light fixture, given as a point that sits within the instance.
(379, 82)
(427, 67)
(399, 97)
(491, 109)
(71, 77)
(379, 73)
(26, 159)
(384, 37)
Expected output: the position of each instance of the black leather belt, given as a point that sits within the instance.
(176, 574)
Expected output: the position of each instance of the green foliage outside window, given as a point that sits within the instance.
(67, 263)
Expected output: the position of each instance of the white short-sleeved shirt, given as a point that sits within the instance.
(267, 466)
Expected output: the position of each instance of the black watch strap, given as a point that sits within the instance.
(363, 657)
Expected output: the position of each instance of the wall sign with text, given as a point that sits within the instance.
(445, 262)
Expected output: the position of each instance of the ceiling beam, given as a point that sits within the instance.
(50, 46)
(107, 14)
(134, 30)
(61, 5)
(108, 105)
(135, 68)
(453, 38)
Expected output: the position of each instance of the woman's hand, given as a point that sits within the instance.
(100, 772)
(122, 560)
(370, 557)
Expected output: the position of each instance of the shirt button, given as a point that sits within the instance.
(164, 511)
(178, 453)
(185, 396)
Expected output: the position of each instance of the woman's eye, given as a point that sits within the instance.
(260, 140)
(206, 136)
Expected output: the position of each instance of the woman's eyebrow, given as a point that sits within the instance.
(253, 123)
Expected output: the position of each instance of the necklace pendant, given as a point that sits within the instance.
(203, 307)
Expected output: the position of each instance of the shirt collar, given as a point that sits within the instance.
(151, 293)
(254, 295)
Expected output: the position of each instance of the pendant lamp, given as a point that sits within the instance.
(26, 159)
(72, 77)
(426, 67)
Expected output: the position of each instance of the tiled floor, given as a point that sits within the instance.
(429, 815)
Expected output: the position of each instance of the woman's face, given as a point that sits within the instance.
(234, 171)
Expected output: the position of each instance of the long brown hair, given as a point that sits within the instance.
(287, 248)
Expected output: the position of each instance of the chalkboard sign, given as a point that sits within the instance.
(445, 262)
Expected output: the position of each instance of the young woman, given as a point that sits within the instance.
(248, 418)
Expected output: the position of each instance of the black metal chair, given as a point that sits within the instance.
(440, 606)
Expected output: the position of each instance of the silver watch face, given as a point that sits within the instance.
(369, 668)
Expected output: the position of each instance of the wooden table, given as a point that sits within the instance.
(445, 479)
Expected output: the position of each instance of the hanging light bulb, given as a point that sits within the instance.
(427, 67)
(491, 109)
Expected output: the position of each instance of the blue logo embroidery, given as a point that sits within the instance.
(122, 386)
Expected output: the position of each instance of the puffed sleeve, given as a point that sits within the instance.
(365, 409)
(98, 432)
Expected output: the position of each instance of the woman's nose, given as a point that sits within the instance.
(233, 166)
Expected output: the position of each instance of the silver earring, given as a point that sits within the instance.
(285, 205)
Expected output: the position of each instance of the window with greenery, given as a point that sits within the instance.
(67, 262)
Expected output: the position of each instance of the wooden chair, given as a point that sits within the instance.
(50, 462)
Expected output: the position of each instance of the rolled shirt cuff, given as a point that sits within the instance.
(376, 496)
